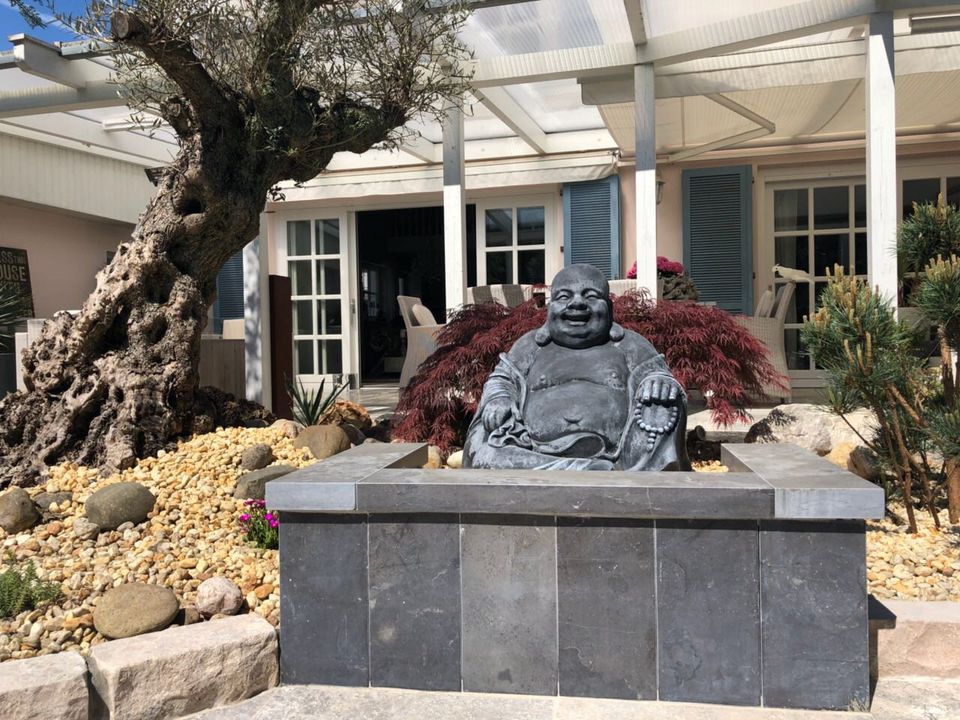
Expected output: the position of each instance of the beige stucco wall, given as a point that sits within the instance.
(669, 216)
(64, 251)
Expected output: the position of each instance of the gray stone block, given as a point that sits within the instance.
(708, 610)
(330, 485)
(323, 599)
(183, 670)
(607, 608)
(414, 576)
(814, 606)
(579, 494)
(41, 688)
(806, 486)
(509, 596)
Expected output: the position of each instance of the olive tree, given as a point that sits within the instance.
(258, 92)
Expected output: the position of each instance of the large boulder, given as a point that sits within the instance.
(256, 457)
(17, 511)
(290, 428)
(811, 427)
(218, 596)
(347, 412)
(112, 506)
(135, 609)
(45, 499)
(323, 441)
(254, 484)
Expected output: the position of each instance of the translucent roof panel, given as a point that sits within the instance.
(556, 106)
(545, 25)
(668, 16)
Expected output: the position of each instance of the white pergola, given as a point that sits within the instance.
(658, 79)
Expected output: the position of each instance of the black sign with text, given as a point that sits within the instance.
(15, 273)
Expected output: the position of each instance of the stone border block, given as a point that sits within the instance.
(46, 687)
(183, 670)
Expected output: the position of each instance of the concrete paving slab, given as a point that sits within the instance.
(894, 700)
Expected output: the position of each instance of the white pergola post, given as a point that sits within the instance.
(881, 132)
(454, 209)
(256, 317)
(646, 177)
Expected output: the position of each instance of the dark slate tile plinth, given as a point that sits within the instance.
(415, 601)
(815, 627)
(323, 599)
(509, 567)
(607, 608)
(708, 611)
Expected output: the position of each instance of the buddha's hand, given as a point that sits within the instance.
(658, 409)
(659, 391)
(497, 412)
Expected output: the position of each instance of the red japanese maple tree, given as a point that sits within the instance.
(703, 346)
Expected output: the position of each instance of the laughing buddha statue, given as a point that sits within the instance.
(580, 393)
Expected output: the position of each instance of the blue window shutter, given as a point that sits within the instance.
(591, 224)
(229, 302)
(718, 235)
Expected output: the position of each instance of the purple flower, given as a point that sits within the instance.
(268, 516)
(244, 518)
(274, 523)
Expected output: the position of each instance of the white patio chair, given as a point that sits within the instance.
(507, 295)
(767, 326)
(422, 331)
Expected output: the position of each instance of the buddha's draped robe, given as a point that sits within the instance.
(513, 445)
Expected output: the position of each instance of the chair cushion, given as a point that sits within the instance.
(422, 314)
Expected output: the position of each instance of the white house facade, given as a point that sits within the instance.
(730, 136)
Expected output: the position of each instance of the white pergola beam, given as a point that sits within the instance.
(90, 134)
(751, 31)
(775, 25)
(422, 149)
(592, 61)
(784, 67)
(44, 60)
(635, 17)
(881, 141)
(646, 178)
(35, 101)
(500, 103)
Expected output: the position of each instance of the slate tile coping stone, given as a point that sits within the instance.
(768, 481)
(41, 688)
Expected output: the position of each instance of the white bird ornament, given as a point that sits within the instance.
(792, 274)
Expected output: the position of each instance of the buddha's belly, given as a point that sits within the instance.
(577, 408)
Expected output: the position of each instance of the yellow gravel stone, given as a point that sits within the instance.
(193, 532)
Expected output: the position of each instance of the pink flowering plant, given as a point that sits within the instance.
(665, 268)
(261, 526)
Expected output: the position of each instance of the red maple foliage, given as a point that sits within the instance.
(703, 346)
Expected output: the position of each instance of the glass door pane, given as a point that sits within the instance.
(317, 265)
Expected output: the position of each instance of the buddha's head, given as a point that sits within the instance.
(580, 313)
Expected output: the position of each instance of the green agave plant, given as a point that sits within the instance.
(309, 405)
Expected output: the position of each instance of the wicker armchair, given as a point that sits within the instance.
(422, 331)
(507, 295)
(767, 327)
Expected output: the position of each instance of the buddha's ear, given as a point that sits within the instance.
(616, 332)
(542, 336)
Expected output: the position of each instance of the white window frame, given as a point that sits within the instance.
(552, 245)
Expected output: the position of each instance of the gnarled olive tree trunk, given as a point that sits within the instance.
(119, 380)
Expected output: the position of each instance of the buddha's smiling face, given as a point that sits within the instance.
(579, 314)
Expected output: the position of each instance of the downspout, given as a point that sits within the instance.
(766, 128)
